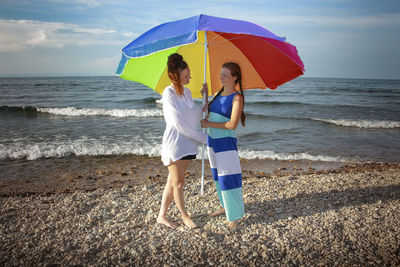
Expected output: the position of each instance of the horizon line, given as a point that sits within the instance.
(48, 75)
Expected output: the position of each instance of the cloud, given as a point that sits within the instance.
(19, 35)
(360, 22)
(93, 31)
(130, 35)
(88, 3)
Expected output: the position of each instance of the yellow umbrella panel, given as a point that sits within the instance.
(151, 70)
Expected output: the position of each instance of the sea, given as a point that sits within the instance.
(315, 119)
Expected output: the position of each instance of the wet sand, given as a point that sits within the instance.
(90, 173)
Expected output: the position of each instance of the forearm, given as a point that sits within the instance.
(230, 125)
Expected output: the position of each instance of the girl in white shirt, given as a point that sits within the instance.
(181, 137)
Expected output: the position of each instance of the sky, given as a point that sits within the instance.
(334, 38)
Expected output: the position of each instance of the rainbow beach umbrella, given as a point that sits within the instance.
(206, 43)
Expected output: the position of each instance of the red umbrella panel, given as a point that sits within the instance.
(265, 62)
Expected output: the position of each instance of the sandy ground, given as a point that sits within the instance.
(90, 173)
(102, 211)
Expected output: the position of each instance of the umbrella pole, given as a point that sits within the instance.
(204, 113)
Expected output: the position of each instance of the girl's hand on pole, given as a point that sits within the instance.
(204, 91)
(204, 123)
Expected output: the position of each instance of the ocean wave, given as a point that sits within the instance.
(253, 115)
(146, 100)
(97, 147)
(81, 147)
(362, 123)
(250, 154)
(77, 112)
(23, 109)
(120, 113)
(277, 103)
(358, 88)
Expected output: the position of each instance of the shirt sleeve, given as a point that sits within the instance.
(196, 109)
(185, 121)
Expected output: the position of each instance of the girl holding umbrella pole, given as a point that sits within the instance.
(225, 111)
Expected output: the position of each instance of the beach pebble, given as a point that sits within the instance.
(350, 217)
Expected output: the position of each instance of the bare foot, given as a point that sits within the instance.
(189, 222)
(218, 212)
(164, 221)
(232, 225)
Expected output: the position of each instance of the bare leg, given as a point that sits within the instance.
(177, 173)
(165, 202)
(218, 212)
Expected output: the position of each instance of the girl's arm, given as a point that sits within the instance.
(237, 107)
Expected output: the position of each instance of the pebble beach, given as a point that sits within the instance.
(295, 216)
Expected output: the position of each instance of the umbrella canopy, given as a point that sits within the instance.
(266, 60)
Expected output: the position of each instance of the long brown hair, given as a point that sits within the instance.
(236, 72)
(176, 65)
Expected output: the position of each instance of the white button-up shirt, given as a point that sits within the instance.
(181, 135)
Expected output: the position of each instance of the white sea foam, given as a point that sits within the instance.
(81, 147)
(98, 147)
(250, 154)
(362, 123)
(120, 113)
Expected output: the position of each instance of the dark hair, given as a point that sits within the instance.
(176, 65)
(236, 72)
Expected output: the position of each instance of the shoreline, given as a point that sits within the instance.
(344, 216)
(87, 173)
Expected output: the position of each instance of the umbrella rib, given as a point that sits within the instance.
(281, 52)
(210, 40)
(225, 39)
